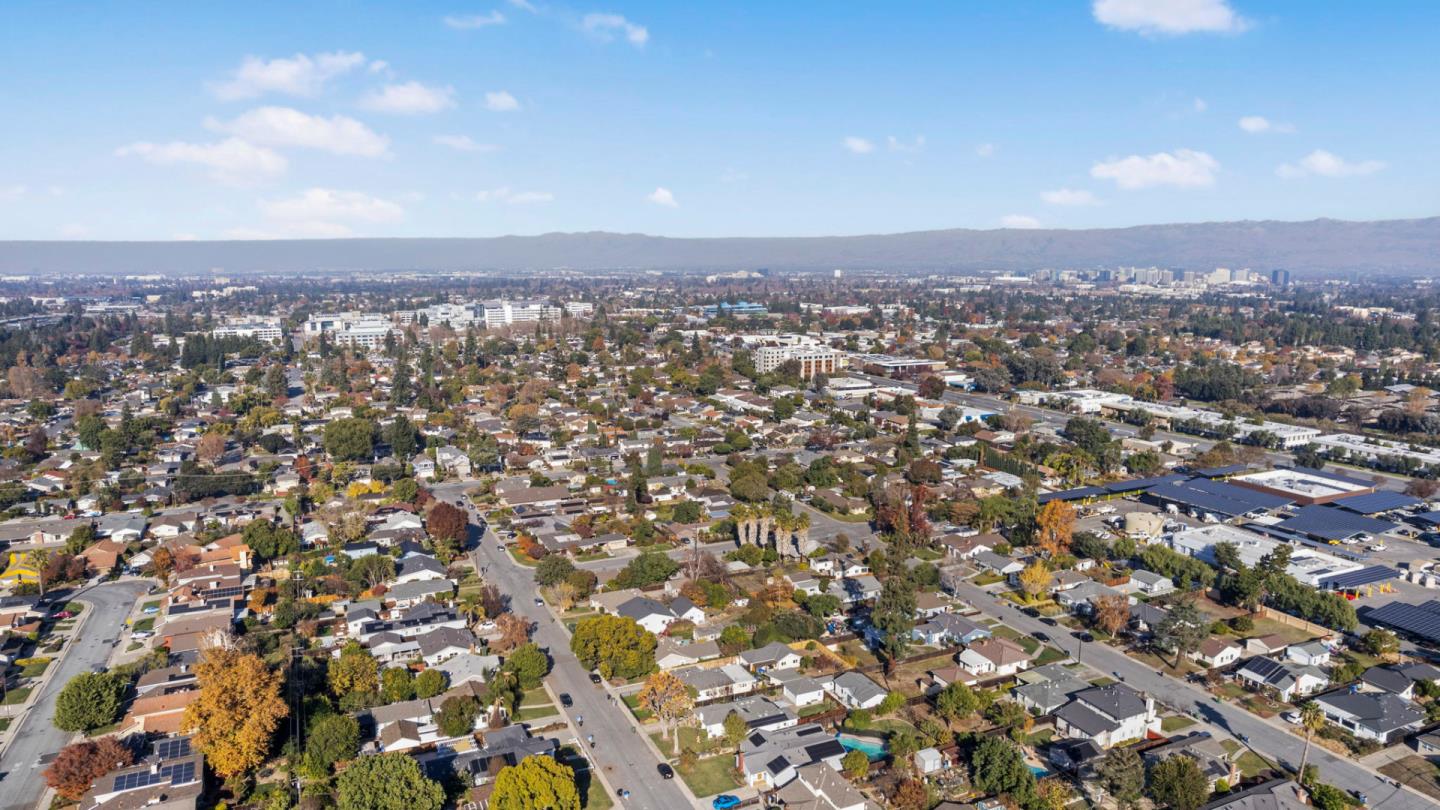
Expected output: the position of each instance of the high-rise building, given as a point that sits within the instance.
(812, 359)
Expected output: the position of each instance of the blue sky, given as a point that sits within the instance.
(281, 119)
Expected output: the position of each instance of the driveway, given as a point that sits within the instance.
(1270, 739)
(33, 733)
(620, 753)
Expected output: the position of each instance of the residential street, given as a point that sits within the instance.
(620, 752)
(1271, 739)
(33, 733)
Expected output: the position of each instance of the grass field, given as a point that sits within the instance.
(144, 625)
(1175, 723)
(15, 697)
(36, 669)
(711, 775)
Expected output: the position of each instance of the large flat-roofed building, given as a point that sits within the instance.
(1304, 487)
(812, 359)
(1312, 567)
(507, 313)
(268, 331)
(893, 366)
(363, 329)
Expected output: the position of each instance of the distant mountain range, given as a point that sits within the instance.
(1322, 246)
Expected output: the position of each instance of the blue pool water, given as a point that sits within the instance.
(873, 749)
(1040, 773)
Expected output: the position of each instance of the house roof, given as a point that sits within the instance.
(1381, 712)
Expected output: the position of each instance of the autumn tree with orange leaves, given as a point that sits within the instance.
(234, 718)
(1055, 525)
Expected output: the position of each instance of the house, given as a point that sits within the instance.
(1380, 716)
(758, 712)
(161, 713)
(949, 628)
(1286, 681)
(1077, 756)
(1277, 794)
(673, 653)
(419, 568)
(1081, 598)
(648, 613)
(410, 594)
(1107, 715)
(990, 561)
(1151, 583)
(818, 786)
(502, 747)
(714, 683)
(1310, 654)
(1215, 652)
(798, 689)
(1049, 688)
(1145, 617)
(993, 657)
(855, 690)
(1397, 679)
(1213, 760)
(171, 777)
(965, 548)
(770, 759)
(1272, 644)
(772, 656)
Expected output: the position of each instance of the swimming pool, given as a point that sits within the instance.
(1040, 773)
(873, 748)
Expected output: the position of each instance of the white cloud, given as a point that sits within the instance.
(1019, 222)
(12, 193)
(1170, 17)
(1256, 124)
(1185, 168)
(1328, 164)
(410, 98)
(897, 145)
(283, 126)
(232, 161)
(985, 150)
(1199, 105)
(858, 145)
(501, 101)
(505, 195)
(323, 213)
(662, 196)
(473, 21)
(463, 143)
(1069, 196)
(299, 75)
(605, 26)
(379, 66)
(524, 5)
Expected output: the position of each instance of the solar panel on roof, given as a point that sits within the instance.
(1376, 502)
(1333, 524)
(1418, 620)
(173, 749)
(1355, 579)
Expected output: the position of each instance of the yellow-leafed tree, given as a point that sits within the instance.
(668, 698)
(234, 718)
(1035, 579)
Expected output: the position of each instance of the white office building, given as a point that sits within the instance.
(362, 329)
(812, 359)
(268, 331)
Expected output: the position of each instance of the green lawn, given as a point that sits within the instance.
(34, 670)
(144, 625)
(596, 796)
(521, 559)
(987, 579)
(535, 697)
(1251, 764)
(529, 714)
(1030, 645)
(15, 697)
(155, 604)
(712, 775)
(927, 554)
(1176, 723)
(633, 702)
(1049, 655)
(4, 724)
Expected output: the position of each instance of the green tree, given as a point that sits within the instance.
(88, 701)
(555, 568)
(457, 714)
(1183, 629)
(536, 782)
(894, 615)
(650, 568)
(735, 729)
(1177, 782)
(855, 764)
(404, 439)
(351, 439)
(529, 664)
(332, 738)
(998, 767)
(1122, 772)
(956, 701)
(387, 782)
(429, 683)
(396, 685)
(615, 646)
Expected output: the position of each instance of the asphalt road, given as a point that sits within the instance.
(1271, 739)
(619, 752)
(34, 733)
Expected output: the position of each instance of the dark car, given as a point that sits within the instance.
(1085, 636)
(1041, 636)
(666, 772)
(565, 700)
(596, 679)
(1049, 621)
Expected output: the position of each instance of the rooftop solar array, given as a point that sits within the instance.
(1071, 495)
(1356, 579)
(1376, 502)
(1333, 523)
(178, 774)
(1136, 484)
(173, 749)
(1421, 620)
(1217, 497)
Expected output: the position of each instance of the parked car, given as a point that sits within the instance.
(725, 801)
(666, 772)
(565, 700)
(596, 679)
(1291, 717)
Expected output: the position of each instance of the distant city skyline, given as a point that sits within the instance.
(332, 119)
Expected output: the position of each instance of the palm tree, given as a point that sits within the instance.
(1312, 719)
(471, 606)
(37, 560)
